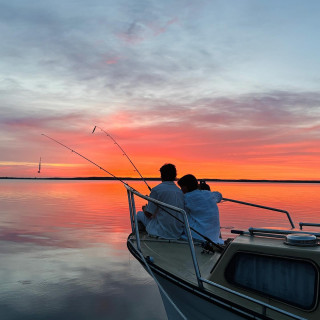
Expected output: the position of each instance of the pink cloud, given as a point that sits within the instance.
(130, 39)
(113, 60)
(159, 30)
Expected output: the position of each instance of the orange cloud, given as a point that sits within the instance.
(208, 139)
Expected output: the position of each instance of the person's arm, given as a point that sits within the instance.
(146, 213)
(217, 196)
(151, 208)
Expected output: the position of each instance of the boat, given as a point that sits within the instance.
(261, 273)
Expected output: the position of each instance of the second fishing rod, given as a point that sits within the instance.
(124, 153)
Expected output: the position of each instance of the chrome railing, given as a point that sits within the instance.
(307, 224)
(134, 226)
(262, 207)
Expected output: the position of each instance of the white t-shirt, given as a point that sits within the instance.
(203, 214)
(162, 224)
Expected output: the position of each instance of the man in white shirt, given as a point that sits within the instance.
(202, 210)
(156, 219)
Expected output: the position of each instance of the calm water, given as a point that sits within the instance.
(63, 251)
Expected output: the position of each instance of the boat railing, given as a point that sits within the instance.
(308, 224)
(264, 306)
(135, 230)
(262, 207)
(272, 232)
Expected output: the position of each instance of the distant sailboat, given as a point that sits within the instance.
(39, 165)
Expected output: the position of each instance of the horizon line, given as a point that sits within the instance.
(159, 179)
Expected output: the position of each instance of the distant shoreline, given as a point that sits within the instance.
(158, 179)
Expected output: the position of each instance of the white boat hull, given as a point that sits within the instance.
(192, 302)
(193, 306)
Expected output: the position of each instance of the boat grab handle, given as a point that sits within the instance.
(307, 224)
(262, 207)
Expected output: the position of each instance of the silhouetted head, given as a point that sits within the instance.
(168, 172)
(204, 186)
(188, 183)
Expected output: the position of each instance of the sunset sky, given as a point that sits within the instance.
(223, 89)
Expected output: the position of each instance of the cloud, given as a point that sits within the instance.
(134, 33)
(274, 124)
(30, 125)
(138, 32)
(163, 29)
(49, 48)
(193, 77)
(256, 110)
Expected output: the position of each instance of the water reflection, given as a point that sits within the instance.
(63, 254)
(63, 248)
(42, 283)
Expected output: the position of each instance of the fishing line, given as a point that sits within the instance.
(124, 153)
(117, 178)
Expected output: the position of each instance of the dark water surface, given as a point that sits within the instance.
(63, 251)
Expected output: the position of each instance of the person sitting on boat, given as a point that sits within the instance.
(157, 221)
(202, 210)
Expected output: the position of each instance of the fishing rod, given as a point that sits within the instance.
(124, 153)
(112, 175)
(117, 178)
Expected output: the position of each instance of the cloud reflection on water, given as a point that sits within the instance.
(63, 254)
(74, 283)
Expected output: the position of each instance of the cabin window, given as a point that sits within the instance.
(291, 281)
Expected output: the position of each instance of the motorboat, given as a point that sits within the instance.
(261, 273)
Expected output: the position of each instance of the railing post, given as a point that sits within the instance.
(193, 254)
(134, 222)
(130, 210)
(307, 224)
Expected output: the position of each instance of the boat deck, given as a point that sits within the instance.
(174, 256)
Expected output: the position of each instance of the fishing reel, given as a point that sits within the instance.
(207, 247)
